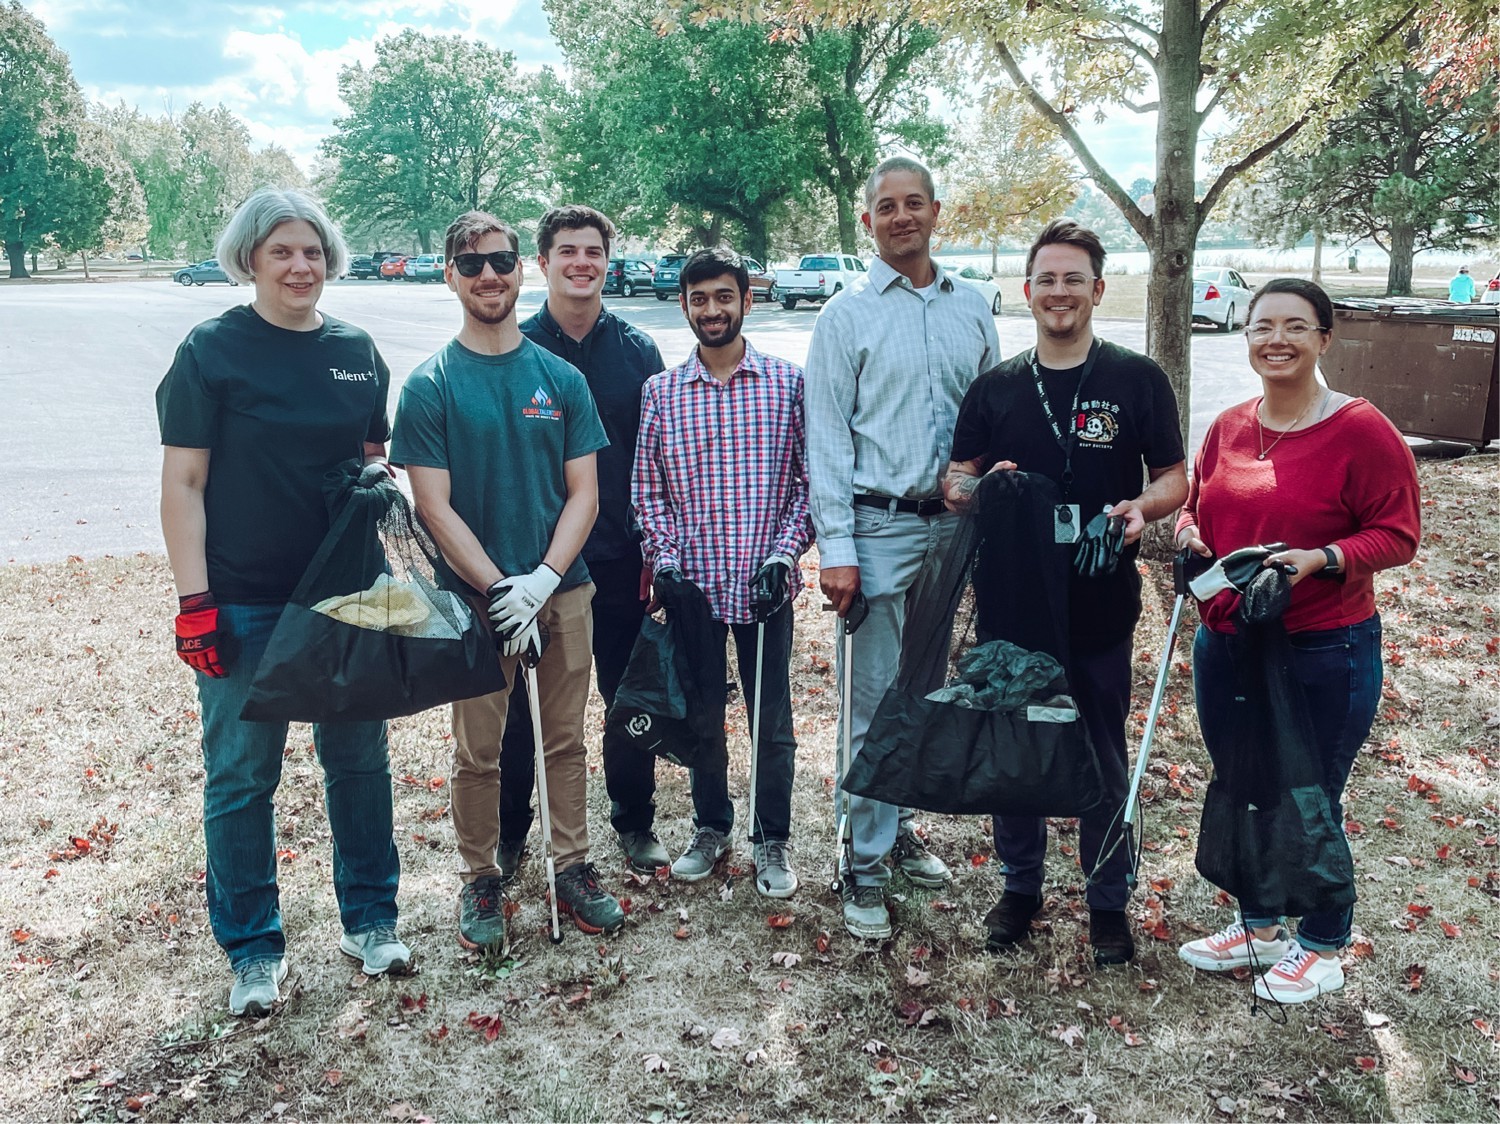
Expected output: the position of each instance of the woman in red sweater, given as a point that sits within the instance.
(1331, 476)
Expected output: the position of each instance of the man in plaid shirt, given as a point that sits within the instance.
(720, 488)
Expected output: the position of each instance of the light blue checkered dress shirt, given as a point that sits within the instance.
(886, 371)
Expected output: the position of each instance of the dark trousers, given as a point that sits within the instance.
(1100, 679)
(629, 774)
(777, 751)
(1340, 673)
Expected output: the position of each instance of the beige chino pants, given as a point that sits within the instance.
(479, 723)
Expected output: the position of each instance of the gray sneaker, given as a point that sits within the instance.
(643, 851)
(257, 985)
(774, 876)
(702, 855)
(380, 950)
(912, 858)
(865, 914)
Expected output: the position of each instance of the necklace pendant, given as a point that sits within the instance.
(1261, 457)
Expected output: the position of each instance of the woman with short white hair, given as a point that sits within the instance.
(260, 402)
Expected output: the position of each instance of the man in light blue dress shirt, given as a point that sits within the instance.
(890, 360)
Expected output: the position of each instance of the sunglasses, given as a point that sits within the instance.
(472, 265)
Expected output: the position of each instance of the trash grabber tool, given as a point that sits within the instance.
(530, 658)
(753, 819)
(848, 626)
(1132, 799)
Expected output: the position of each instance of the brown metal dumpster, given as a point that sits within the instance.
(1432, 367)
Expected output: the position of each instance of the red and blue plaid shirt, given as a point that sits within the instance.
(720, 477)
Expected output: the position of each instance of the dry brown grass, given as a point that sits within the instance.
(113, 1004)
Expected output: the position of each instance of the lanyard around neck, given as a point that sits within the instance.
(1066, 441)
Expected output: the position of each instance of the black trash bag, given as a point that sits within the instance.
(670, 702)
(1268, 835)
(1035, 758)
(367, 634)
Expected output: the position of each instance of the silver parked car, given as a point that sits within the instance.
(1220, 298)
(209, 270)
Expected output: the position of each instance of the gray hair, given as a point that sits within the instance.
(262, 213)
(898, 164)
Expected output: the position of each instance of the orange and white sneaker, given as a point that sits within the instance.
(1235, 947)
(1299, 976)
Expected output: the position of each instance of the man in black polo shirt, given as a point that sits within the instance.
(616, 359)
(1101, 421)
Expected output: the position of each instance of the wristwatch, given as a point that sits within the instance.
(1331, 566)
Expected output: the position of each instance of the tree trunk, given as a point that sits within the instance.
(33, 261)
(1173, 232)
(16, 251)
(84, 255)
(1317, 253)
(848, 225)
(757, 237)
(994, 257)
(424, 239)
(1403, 247)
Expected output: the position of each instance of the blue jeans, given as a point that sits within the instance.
(1340, 673)
(242, 762)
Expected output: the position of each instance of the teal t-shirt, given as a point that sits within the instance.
(503, 426)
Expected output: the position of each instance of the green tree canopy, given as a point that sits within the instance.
(438, 125)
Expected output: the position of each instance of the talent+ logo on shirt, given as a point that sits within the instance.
(341, 375)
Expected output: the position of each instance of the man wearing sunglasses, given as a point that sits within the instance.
(499, 437)
(573, 324)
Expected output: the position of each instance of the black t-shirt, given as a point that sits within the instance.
(1126, 419)
(616, 358)
(276, 409)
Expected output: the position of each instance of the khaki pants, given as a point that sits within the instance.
(479, 724)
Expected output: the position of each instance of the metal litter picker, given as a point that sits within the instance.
(843, 861)
(529, 659)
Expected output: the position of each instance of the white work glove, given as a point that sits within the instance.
(515, 602)
(527, 637)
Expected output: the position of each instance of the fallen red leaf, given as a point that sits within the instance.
(1413, 976)
(20, 936)
(682, 933)
(944, 907)
(333, 1076)
(414, 1002)
(1443, 852)
(780, 920)
(1450, 930)
(1467, 1076)
(978, 860)
(823, 941)
(1362, 947)
(887, 1065)
(1422, 911)
(1366, 1063)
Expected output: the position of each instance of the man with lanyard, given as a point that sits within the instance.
(573, 253)
(889, 362)
(720, 485)
(1089, 415)
(499, 438)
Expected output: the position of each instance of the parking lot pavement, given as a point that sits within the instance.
(79, 365)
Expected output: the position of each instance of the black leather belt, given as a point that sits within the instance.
(925, 508)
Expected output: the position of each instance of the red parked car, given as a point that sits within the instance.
(393, 269)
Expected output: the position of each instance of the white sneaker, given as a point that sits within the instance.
(774, 876)
(380, 950)
(1235, 947)
(1299, 976)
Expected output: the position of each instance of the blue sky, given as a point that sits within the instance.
(276, 64)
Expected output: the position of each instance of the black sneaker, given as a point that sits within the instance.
(508, 857)
(593, 908)
(1010, 919)
(643, 851)
(481, 916)
(1109, 933)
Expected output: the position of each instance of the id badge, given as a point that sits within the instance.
(1065, 523)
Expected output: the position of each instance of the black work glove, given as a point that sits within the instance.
(1234, 571)
(1100, 546)
(769, 588)
(1266, 596)
(666, 586)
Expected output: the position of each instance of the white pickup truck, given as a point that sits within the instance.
(817, 278)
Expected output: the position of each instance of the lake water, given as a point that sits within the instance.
(1372, 260)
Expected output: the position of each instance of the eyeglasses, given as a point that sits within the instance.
(472, 265)
(1072, 282)
(1293, 333)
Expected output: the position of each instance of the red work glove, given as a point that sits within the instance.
(198, 634)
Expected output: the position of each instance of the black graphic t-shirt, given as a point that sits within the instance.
(1126, 422)
(276, 409)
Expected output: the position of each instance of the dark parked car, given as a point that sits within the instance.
(204, 271)
(664, 283)
(362, 267)
(762, 282)
(627, 276)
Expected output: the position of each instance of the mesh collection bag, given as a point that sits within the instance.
(368, 634)
(1002, 737)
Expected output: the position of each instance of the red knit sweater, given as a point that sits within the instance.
(1350, 479)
